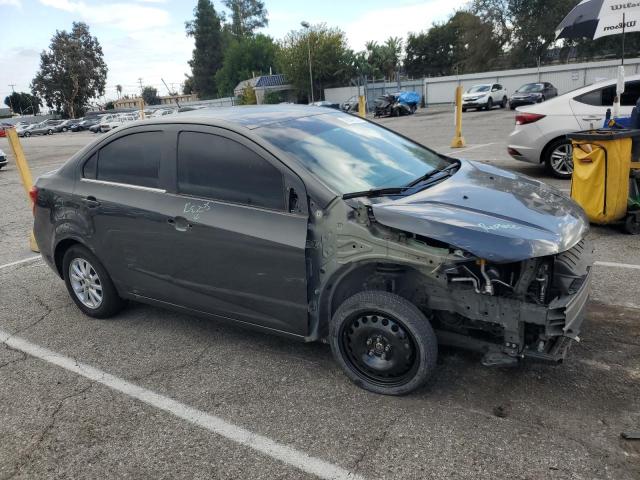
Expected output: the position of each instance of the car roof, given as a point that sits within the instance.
(250, 116)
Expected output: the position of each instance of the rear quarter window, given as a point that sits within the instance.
(133, 160)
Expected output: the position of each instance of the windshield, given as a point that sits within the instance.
(479, 88)
(531, 87)
(350, 154)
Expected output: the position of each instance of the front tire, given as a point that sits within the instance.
(89, 284)
(558, 158)
(383, 343)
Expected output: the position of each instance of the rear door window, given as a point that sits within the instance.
(216, 167)
(133, 160)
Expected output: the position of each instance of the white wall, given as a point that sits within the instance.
(564, 77)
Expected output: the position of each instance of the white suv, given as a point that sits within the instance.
(541, 130)
(485, 96)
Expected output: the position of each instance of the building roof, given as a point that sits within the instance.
(263, 81)
(271, 81)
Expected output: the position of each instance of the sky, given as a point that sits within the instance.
(146, 38)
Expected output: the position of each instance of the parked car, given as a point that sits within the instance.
(326, 104)
(531, 93)
(390, 105)
(41, 128)
(319, 226)
(3, 127)
(85, 124)
(540, 135)
(65, 125)
(485, 96)
(25, 130)
(110, 122)
(3, 159)
(351, 105)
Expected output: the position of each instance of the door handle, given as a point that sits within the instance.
(91, 202)
(179, 223)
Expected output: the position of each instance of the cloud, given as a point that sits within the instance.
(124, 16)
(397, 21)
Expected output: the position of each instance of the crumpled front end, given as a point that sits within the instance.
(532, 309)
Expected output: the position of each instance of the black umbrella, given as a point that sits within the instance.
(600, 18)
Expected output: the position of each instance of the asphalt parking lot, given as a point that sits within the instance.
(155, 394)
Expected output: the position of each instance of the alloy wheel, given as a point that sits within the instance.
(561, 159)
(86, 283)
(379, 349)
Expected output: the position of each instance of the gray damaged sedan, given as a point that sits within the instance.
(320, 226)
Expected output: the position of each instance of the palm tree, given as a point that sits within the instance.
(119, 90)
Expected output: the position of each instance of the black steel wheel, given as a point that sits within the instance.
(504, 103)
(383, 343)
(489, 104)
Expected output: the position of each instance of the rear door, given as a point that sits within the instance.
(591, 108)
(121, 195)
(239, 231)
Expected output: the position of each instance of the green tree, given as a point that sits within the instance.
(464, 44)
(187, 86)
(330, 59)
(273, 98)
(243, 58)
(384, 59)
(72, 71)
(246, 16)
(23, 103)
(248, 96)
(109, 105)
(207, 57)
(150, 96)
(524, 28)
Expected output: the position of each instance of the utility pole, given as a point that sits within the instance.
(307, 27)
(140, 80)
(12, 92)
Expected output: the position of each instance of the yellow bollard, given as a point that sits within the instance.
(25, 174)
(141, 109)
(362, 106)
(458, 140)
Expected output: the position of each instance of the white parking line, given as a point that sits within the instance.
(217, 425)
(617, 265)
(466, 149)
(26, 260)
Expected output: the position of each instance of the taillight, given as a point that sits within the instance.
(526, 118)
(33, 194)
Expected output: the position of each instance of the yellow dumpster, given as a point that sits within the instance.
(600, 181)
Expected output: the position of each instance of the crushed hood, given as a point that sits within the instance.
(491, 213)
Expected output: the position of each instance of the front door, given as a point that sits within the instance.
(239, 233)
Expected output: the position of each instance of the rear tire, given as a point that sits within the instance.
(464, 109)
(383, 343)
(91, 287)
(489, 104)
(558, 158)
(504, 103)
(632, 224)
